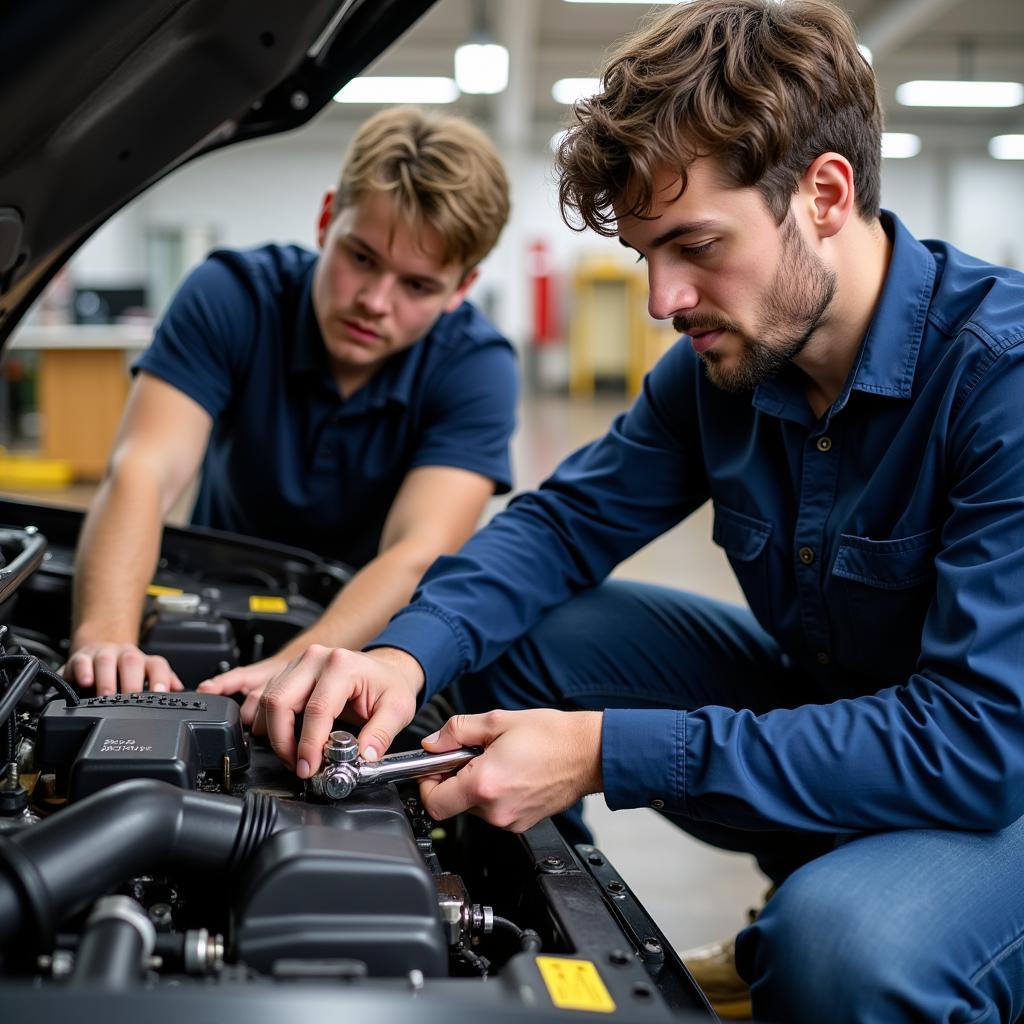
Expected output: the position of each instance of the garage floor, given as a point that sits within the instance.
(695, 893)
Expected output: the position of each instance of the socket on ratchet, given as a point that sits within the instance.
(344, 770)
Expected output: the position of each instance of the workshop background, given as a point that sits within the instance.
(574, 304)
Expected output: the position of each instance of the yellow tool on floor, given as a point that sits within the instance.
(28, 472)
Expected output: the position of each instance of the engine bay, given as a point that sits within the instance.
(151, 849)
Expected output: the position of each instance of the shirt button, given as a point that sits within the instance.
(657, 804)
(824, 444)
(823, 658)
(806, 555)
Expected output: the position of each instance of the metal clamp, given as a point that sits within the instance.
(344, 770)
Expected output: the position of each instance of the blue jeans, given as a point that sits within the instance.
(922, 925)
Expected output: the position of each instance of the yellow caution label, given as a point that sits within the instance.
(155, 591)
(276, 605)
(574, 984)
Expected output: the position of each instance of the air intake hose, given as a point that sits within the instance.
(64, 863)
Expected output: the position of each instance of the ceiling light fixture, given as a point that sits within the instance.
(481, 65)
(569, 90)
(1006, 147)
(900, 145)
(481, 68)
(960, 94)
(384, 89)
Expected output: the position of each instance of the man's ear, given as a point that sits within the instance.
(827, 190)
(325, 218)
(460, 293)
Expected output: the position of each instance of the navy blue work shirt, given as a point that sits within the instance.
(288, 459)
(882, 545)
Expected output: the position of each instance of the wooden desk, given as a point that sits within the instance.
(83, 384)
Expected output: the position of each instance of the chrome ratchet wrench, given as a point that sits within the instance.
(344, 770)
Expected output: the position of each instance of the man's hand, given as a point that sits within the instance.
(536, 763)
(251, 680)
(108, 666)
(377, 690)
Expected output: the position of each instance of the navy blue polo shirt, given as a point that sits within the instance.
(290, 460)
(881, 545)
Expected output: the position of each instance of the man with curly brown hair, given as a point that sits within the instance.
(848, 398)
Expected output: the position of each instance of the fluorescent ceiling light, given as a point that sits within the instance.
(569, 90)
(960, 94)
(900, 145)
(481, 68)
(382, 89)
(1006, 147)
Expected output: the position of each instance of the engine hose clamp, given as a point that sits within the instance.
(124, 908)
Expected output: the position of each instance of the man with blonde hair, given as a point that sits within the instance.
(848, 398)
(350, 402)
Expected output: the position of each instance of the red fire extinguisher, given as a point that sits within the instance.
(538, 268)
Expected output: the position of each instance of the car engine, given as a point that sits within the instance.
(157, 859)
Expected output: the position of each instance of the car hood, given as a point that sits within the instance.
(100, 100)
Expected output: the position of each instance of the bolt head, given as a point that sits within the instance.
(339, 780)
(341, 747)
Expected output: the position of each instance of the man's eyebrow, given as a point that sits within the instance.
(690, 228)
(422, 278)
(353, 237)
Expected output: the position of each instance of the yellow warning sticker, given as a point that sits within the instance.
(277, 605)
(574, 984)
(157, 591)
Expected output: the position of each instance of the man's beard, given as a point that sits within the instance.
(793, 308)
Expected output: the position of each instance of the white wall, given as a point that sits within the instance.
(114, 255)
(987, 212)
(915, 190)
(970, 200)
(249, 194)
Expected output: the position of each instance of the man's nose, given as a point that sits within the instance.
(375, 295)
(670, 294)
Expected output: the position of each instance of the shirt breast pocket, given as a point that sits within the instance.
(883, 590)
(744, 539)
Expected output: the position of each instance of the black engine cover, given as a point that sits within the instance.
(124, 736)
(323, 894)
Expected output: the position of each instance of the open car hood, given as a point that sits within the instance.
(100, 100)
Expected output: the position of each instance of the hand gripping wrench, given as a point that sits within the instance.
(344, 770)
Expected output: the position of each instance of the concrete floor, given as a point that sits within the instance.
(695, 893)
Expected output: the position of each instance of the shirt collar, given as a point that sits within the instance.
(887, 357)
